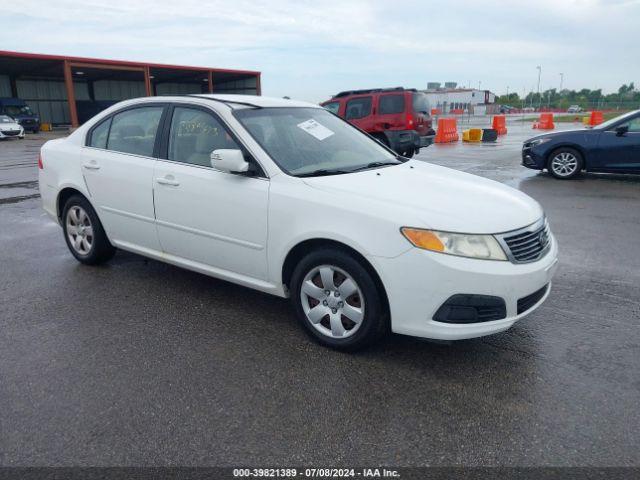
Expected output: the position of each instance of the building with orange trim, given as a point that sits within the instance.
(70, 90)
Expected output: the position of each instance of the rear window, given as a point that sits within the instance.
(391, 104)
(358, 108)
(420, 103)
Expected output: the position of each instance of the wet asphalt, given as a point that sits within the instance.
(141, 363)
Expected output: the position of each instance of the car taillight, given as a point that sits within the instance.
(40, 165)
(409, 120)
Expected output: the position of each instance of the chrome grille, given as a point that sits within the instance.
(527, 244)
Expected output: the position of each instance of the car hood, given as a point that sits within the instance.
(565, 133)
(10, 126)
(421, 194)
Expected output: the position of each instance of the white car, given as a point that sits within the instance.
(286, 198)
(574, 109)
(9, 128)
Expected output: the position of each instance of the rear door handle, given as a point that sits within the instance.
(168, 181)
(91, 166)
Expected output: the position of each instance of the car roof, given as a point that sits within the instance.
(257, 100)
(234, 102)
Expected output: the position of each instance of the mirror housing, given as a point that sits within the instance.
(229, 160)
(622, 130)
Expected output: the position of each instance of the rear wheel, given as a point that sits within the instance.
(83, 232)
(565, 163)
(337, 301)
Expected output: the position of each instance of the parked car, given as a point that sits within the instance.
(18, 109)
(507, 109)
(10, 128)
(574, 109)
(397, 117)
(613, 147)
(289, 199)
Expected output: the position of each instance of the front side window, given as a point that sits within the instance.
(134, 131)
(358, 108)
(312, 141)
(333, 107)
(633, 125)
(99, 134)
(391, 104)
(194, 135)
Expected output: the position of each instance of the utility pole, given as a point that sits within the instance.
(539, 73)
(561, 81)
(479, 83)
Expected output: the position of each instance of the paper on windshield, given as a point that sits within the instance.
(314, 128)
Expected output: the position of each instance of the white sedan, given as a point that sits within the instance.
(284, 197)
(9, 128)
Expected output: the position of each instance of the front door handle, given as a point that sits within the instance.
(91, 165)
(168, 180)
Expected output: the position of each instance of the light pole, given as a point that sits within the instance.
(539, 73)
(561, 81)
(479, 83)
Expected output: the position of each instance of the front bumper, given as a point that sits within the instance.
(532, 159)
(419, 282)
(12, 133)
(30, 125)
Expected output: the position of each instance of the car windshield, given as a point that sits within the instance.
(18, 110)
(311, 141)
(608, 123)
(5, 119)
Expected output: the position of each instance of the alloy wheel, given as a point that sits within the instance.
(332, 301)
(79, 230)
(564, 164)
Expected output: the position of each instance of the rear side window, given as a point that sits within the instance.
(134, 131)
(391, 104)
(358, 108)
(420, 103)
(99, 134)
(333, 107)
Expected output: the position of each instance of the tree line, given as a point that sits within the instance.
(627, 98)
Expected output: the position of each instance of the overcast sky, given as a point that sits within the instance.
(312, 49)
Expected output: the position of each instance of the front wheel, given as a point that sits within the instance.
(83, 232)
(565, 163)
(337, 301)
(408, 153)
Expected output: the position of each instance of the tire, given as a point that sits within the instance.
(347, 322)
(84, 233)
(408, 153)
(565, 163)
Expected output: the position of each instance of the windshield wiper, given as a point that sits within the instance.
(374, 165)
(322, 173)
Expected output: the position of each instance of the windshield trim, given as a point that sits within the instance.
(237, 111)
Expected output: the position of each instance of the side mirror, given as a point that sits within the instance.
(228, 160)
(622, 130)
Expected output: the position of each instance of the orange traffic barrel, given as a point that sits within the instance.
(596, 118)
(545, 122)
(499, 124)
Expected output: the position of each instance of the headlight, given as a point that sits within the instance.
(463, 245)
(539, 141)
